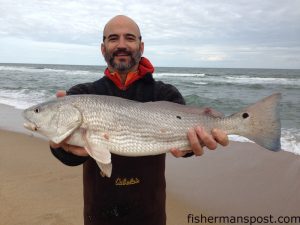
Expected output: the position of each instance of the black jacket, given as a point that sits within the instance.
(136, 192)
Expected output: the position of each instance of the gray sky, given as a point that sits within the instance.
(214, 33)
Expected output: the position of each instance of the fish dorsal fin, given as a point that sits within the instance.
(66, 122)
(185, 108)
(97, 150)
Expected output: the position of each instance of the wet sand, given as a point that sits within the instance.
(240, 180)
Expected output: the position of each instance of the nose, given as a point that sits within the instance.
(122, 42)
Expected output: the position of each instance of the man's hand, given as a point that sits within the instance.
(76, 150)
(199, 138)
(61, 93)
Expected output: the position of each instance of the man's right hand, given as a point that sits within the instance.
(76, 150)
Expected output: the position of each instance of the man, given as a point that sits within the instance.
(135, 193)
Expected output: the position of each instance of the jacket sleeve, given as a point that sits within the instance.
(167, 92)
(66, 158)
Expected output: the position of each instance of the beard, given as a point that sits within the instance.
(123, 66)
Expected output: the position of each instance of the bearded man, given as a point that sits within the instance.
(135, 194)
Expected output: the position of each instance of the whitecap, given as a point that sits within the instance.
(262, 80)
(290, 140)
(179, 75)
(22, 99)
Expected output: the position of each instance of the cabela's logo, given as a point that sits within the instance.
(127, 181)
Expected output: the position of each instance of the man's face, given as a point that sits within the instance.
(122, 47)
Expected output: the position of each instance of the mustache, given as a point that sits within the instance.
(121, 51)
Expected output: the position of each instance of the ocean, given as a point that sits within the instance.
(224, 89)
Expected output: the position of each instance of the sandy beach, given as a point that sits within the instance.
(36, 189)
(240, 180)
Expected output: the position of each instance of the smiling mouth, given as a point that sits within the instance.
(122, 55)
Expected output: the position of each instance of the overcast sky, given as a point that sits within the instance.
(210, 33)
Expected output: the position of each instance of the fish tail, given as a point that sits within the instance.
(261, 122)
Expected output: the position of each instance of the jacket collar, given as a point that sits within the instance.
(145, 67)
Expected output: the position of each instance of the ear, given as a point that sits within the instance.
(103, 49)
(142, 47)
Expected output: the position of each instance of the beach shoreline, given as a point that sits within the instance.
(239, 180)
(11, 119)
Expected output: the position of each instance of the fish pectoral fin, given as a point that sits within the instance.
(105, 168)
(98, 151)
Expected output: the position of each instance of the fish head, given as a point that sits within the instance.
(55, 119)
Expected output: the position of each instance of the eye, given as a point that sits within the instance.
(36, 110)
(130, 38)
(245, 115)
(113, 39)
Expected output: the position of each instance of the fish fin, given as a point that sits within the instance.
(106, 169)
(261, 122)
(186, 108)
(67, 123)
(97, 151)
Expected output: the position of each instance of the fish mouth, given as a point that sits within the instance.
(30, 126)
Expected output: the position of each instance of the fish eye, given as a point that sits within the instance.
(245, 115)
(36, 110)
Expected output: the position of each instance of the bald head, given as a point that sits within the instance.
(121, 23)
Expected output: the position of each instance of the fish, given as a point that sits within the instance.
(106, 125)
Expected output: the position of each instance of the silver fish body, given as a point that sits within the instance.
(107, 124)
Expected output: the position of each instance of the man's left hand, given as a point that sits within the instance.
(199, 139)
